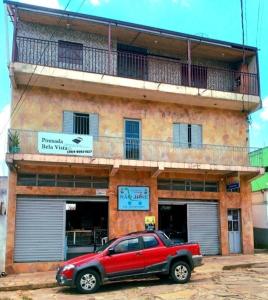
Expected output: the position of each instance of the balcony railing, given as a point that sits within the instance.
(148, 150)
(124, 64)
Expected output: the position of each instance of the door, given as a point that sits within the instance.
(203, 226)
(234, 230)
(40, 230)
(126, 260)
(132, 139)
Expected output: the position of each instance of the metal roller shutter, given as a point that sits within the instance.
(203, 226)
(40, 230)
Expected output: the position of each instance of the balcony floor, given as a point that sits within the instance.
(93, 83)
(156, 167)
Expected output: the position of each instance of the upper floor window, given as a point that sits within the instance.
(187, 135)
(70, 53)
(81, 123)
(198, 76)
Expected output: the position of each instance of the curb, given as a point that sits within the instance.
(28, 287)
(246, 266)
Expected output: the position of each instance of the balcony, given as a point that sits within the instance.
(131, 150)
(131, 75)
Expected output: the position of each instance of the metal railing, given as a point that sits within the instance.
(148, 150)
(124, 64)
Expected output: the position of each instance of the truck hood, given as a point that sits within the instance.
(79, 260)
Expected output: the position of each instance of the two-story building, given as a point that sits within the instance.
(114, 122)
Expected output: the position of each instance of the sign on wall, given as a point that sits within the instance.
(133, 198)
(67, 144)
(149, 222)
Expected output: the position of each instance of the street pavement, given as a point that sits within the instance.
(246, 278)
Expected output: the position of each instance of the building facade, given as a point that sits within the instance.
(3, 220)
(116, 122)
(260, 200)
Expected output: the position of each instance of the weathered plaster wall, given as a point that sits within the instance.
(40, 51)
(42, 110)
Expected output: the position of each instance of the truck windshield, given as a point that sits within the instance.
(105, 246)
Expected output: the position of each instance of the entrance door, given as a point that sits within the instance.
(132, 139)
(234, 230)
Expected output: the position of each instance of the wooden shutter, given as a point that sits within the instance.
(180, 135)
(196, 134)
(94, 125)
(68, 122)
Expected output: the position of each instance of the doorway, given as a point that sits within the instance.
(234, 230)
(86, 227)
(173, 221)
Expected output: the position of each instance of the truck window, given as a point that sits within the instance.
(149, 241)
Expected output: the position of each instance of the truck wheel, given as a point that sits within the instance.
(87, 281)
(180, 272)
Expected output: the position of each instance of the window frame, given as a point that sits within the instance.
(125, 240)
(65, 53)
(84, 115)
(152, 236)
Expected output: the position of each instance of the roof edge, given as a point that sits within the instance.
(153, 30)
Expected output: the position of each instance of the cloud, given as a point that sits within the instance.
(97, 2)
(264, 112)
(4, 125)
(45, 3)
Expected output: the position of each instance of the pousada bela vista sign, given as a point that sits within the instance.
(67, 144)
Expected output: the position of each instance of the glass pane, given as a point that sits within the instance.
(235, 226)
(235, 214)
(230, 226)
(133, 245)
(121, 247)
(149, 242)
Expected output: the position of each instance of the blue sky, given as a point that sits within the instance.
(216, 19)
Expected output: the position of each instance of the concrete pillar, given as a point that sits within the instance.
(223, 217)
(246, 217)
(11, 221)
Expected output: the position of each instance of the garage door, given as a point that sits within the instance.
(40, 230)
(202, 223)
(203, 226)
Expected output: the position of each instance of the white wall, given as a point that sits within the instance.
(260, 209)
(3, 222)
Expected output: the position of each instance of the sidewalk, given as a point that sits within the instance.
(31, 281)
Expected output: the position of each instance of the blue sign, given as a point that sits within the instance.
(133, 198)
(233, 186)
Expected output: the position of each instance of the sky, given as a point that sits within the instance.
(215, 19)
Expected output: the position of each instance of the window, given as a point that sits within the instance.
(149, 241)
(132, 139)
(187, 135)
(63, 181)
(70, 53)
(127, 246)
(81, 123)
(187, 185)
(132, 62)
(198, 76)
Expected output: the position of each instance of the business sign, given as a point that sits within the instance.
(67, 144)
(133, 198)
(232, 183)
(149, 222)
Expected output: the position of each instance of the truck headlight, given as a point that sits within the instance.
(68, 267)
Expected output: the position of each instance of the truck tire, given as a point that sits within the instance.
(180, 272)
(87, 281)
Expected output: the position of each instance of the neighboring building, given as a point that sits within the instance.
(3, 220)
(120, 122)
(260, 200)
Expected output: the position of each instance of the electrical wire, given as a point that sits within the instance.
(21, 99)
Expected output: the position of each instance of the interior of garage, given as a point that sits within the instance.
(173, 221)
(86, 226)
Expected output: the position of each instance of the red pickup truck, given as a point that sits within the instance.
(136, 254)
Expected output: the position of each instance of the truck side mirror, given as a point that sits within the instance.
(111, 251)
